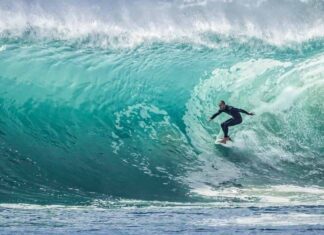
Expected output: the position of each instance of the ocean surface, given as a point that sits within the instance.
(104, 109)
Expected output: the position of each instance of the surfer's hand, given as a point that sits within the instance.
(251, 114)
(210, 119)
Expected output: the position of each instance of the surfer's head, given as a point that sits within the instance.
(222, 104)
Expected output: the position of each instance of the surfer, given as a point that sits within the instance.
(235, 120)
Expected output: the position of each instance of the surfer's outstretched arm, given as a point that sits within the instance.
(215, 115)
(243, 111)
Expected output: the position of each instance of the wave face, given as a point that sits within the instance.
(112, 99)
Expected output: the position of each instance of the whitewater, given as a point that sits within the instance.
(104, 109)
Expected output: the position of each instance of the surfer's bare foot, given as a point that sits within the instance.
(223, 141)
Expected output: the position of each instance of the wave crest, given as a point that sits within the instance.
(126, 24)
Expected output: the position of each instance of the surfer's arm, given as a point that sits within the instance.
(243, 111)
(215, 115)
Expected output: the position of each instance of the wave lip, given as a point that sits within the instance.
(126, 24)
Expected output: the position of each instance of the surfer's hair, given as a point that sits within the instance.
(222, 102)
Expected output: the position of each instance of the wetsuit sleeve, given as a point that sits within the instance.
(243, 111)
(216, 114)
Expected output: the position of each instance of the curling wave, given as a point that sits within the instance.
(98, 101)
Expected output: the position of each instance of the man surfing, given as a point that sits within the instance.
(235, 120)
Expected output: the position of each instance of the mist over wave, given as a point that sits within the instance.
(129, 23)
(111, 99)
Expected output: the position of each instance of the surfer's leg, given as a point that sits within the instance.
(234, 122)
(225, 126)
(227, 123)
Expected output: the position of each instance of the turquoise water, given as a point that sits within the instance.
(105, 106)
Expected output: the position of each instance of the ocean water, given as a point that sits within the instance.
(104, 109)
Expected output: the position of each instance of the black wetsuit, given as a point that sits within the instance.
(236, 117)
